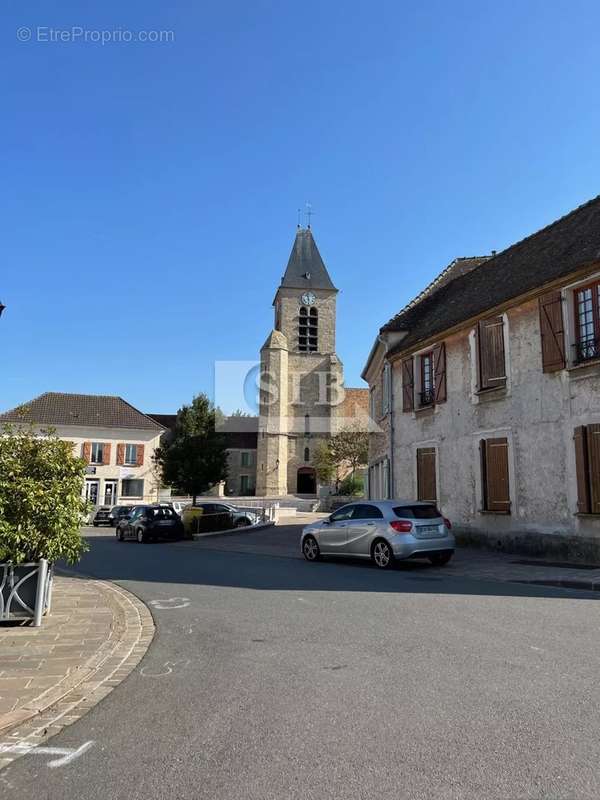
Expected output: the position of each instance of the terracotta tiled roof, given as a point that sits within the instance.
(561, 248)
(87, 410)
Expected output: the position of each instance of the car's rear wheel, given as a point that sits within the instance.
(95, 524)
(242, 523)
(440, 559)
(119, 534)
(310, 549)
(141, 536)
(382, 554)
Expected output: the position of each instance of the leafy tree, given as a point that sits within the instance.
(322, 461)
(349, 449)
(41, 504)
(196, 457)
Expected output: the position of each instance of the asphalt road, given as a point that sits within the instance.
(277, 679)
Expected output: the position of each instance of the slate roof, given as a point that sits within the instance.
(561, 248)
(305, 269)
(87, 410)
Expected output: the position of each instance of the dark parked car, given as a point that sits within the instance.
(102, 516)
(117, 513)
(146, 523)
(209, 517)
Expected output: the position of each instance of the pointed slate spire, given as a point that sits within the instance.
(305, 269)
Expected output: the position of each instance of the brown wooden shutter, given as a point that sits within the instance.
(87, 451)
(552, 332)
(120, 454)
(408, 384)
(492, 369)
(139, 455)
(581, 469)
(439, 372)
(593, 448)
(426, 477)
(496, 476)
(106, 453)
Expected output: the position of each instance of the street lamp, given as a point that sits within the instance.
(1, 309)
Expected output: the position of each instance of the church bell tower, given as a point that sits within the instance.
(301, 375)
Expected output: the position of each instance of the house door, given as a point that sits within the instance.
(110, 493)
(91, 491)
(307, 481)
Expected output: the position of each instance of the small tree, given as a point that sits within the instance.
(350, 449)
(196, 458)
(41, 504)
(323, 462)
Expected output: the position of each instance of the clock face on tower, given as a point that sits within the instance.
(308, 298)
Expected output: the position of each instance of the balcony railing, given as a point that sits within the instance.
(586, 349)
(426, 398)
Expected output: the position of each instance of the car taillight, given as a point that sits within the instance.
(447, 523)
(401, 526)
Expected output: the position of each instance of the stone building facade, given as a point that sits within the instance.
(115, 439)
(487, 390)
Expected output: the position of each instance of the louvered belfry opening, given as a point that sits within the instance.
(308, 330)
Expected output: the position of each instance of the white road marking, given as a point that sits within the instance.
(168, 666)
(67, 754)
(170, 603)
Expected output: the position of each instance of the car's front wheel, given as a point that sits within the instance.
(440, 559)
(242, 523)
(141, 536)
(382, 554)
(310, 548)
(119, 534)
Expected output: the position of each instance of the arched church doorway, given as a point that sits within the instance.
(307, 481)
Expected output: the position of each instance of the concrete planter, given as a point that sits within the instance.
(25, 591)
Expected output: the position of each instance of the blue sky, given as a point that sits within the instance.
(149, 190)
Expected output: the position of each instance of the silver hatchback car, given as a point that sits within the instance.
(383, 530)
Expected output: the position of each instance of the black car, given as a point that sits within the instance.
(102, 516)
(146, 523)
(117, 513)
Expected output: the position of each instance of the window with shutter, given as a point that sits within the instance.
(140, 455)
(593, 447)
(408, 384)
(587, 322)
(490, 343)
(494, 476)
(552, 332)
(426, 475)
(582, 470)
(106, 454)
(439, 372)
(120, 454)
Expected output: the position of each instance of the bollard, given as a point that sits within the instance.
(40, 595)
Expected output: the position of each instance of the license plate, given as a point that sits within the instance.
(428, 530)
(165, 523)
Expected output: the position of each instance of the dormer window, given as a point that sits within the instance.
(308, 326)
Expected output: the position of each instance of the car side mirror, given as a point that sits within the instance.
(327, 521)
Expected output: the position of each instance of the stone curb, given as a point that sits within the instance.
(562, 583)
(230, 531)
(61, 705)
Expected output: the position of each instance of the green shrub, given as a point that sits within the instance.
(41, 507)
(351, 486)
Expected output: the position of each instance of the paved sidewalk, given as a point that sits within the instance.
(50, 676)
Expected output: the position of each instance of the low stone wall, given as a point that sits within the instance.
(552, 546)
(335, 501)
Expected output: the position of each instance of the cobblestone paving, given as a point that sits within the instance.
(50, 676)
